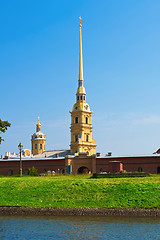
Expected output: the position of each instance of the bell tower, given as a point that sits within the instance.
(38, 140)
(81, 126)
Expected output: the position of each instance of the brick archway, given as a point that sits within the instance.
(83, 170)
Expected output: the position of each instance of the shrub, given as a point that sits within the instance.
(33, 171)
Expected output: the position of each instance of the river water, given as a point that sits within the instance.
(82, 227)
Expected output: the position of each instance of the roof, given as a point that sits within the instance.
(132, 156)
(157, 152)
(30, 159)
(81, 106)
(53, 153)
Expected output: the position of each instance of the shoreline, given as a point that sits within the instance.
(27, 211)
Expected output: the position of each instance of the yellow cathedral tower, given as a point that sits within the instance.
(81, 126)
(38, 140)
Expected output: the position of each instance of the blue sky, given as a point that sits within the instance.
(39, 71)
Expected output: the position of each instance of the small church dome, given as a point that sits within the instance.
(38, 140)
(38, 135)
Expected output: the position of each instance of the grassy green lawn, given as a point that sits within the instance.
(80, 191)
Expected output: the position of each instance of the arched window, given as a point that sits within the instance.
(84, 98)
(77, 98)
(10, 173)
(76, 119)
(62, 171)
(81, 97)
(86, 120)
(27, 172)
(139, 169)
(86, 138)
(76, 138)
(40, 146)
(35, 146)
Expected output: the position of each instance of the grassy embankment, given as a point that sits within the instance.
(80, 191)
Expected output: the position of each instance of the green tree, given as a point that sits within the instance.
(3, 127)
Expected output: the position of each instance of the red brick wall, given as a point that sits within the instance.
(115, 166)
(131, 164)
(40, 165)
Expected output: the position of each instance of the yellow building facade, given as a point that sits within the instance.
(38, 140)
(81, 125)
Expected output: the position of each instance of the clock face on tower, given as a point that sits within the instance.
(86, 107)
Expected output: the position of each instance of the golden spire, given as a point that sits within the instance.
(80, 52)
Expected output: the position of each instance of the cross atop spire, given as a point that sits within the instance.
(38, 128)
(80, 20)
